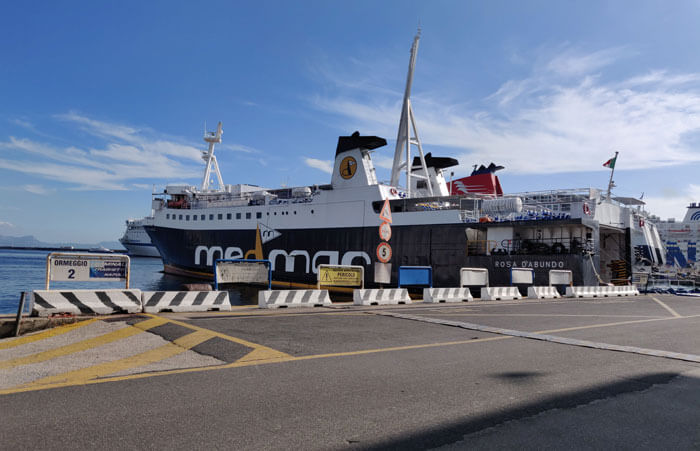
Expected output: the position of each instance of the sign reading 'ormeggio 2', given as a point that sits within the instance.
(82, 268)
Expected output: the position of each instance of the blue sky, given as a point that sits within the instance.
(99, 101)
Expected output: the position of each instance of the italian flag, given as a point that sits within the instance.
(610, 163)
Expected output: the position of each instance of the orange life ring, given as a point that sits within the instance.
(641, 222)
(586, 209)
(393, 191)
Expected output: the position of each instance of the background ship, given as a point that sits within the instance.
(601, 239)
(136, 239)
(681, 238)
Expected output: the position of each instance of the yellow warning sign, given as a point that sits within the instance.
(340, 276)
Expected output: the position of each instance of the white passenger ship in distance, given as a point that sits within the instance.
(136, 240)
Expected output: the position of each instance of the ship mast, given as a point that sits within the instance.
(404, 140)
(208, 155)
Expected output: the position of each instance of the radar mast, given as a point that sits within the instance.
(208, 155)
(404, 140)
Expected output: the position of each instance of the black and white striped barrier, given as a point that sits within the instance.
(447, 295)
(542, 293)
(85, 302)
(381, 296)
(185, 301)
(293, 298)
(500, 293)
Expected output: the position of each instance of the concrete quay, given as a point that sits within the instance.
(532, 374)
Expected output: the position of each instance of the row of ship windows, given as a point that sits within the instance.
(220, 216)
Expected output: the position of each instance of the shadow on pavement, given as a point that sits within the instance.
(455, 432)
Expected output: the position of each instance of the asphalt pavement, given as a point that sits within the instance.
(449, 376)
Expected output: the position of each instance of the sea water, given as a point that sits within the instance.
(25, 270)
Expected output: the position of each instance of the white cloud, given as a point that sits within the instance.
(322, 165)
(6, 224)
(570, 63)
(564, 117)
(102, 129)
(673, 204)
(37, 189)
(126, 153)
(238, 148)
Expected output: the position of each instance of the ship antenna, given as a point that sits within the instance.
(404, 140)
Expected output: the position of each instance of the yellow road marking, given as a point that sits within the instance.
(45, 334)
(662, 304)
(83, 345)
(258, 355)
(249, 362)
(239, 363)
(241, 341)
(179, 346)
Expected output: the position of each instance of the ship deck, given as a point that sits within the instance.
(598, 373)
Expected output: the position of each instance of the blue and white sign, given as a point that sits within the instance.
(73, 267)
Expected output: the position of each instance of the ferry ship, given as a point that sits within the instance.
(681, 238)
(136, 239)
(600, 238)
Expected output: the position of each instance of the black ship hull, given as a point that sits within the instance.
(295, 253)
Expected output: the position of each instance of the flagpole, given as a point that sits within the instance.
(611, 175)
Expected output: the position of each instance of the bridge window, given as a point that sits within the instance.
(238, 216)
(203, 217)
(187, 217)
(258, 215)
(228, 215)
(194, 217)
(220, 216)
(248, 215)
(211, 217)
(167, 216)
(180, 218)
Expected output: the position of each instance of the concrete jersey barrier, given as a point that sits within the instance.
(85, 302)
(582, 292)
(500, 293)
(293, 298)
(542, 293)
(185, 301)
(447, 295)
(380, 296)
(598, 292)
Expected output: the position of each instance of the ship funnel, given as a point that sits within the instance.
(353, 164)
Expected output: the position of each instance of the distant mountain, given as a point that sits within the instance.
(30, 241)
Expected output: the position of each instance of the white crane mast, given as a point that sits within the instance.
(404, 140)
(208, 155)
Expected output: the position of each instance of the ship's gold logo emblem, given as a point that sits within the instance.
(348, 167)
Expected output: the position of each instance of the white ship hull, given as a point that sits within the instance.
(136, 240)
(141, 249)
